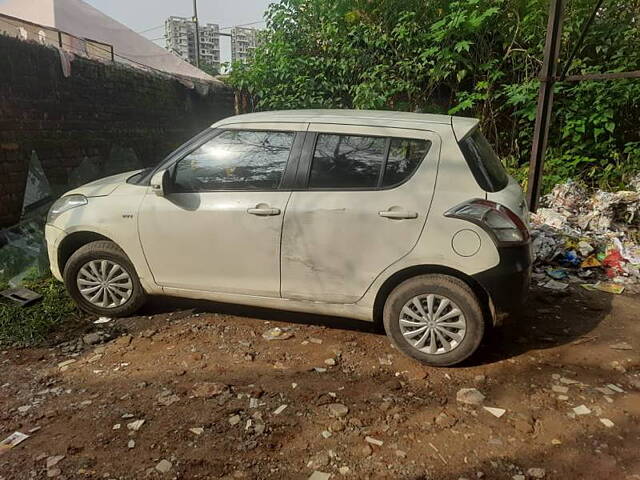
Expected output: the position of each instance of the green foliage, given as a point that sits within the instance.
(32, 325)
(465, 57)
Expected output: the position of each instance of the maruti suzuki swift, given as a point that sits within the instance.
(404, 218)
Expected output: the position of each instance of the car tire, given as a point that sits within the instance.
(401, 324)
(125, 293)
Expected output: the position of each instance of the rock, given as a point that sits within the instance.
(92, 338)
(401, 453)
(279, 410)
(131, 444)
(320, 460)
(336, 426)
(445, 421)
(581, 410)
(331, 362)
(208, 389)
(66, 363)
(234, 420)
(607, 423)
(479, 379)
(53, 461)
(326, 434)
(496, 412)
(469, 396)
(536, 472)
(621, 346)
(344, 470)
(317, 341)
(166, 398)
(197, 431)
(560, 389)
(135, 426)
(163, 466)
(320, 476)
(366, 450)
(519, 477)
(338, 410)
(374, 441)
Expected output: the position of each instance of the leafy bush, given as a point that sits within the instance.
(33, 325)
(465, 57)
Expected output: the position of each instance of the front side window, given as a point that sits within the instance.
(346, 161)
(236, 160)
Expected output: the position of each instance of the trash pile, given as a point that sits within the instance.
(588, 238)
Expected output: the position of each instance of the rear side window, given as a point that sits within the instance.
(364, 162)
(483, 162)
(404, 157)
(346, 161)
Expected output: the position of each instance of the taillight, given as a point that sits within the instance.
(501, 223)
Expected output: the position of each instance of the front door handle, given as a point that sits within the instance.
(263, 211)
(398, 214)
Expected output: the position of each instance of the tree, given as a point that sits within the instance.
(466, 57)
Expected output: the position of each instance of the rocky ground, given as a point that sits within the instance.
(200, 393)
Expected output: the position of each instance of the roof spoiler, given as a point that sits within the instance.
(462, 126)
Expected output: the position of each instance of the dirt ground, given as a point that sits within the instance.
(220, 401)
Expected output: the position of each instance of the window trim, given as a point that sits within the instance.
(303, 175)
(286, 180)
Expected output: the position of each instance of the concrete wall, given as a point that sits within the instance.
(102, 115)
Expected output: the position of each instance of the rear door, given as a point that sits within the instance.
(362, 200)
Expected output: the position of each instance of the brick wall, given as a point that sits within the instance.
(84, 116)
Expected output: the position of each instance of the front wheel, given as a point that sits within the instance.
(436, 319)
(101, 280)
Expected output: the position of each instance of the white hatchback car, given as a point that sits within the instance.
(401, 217)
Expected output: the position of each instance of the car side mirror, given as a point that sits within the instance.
(161, 183)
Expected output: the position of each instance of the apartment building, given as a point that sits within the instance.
(180, 34)
(243, 43)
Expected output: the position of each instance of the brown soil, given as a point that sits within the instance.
(179, 368)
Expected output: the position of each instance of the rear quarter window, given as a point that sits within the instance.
(483, 162)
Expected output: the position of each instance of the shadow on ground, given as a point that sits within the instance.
(548, 319)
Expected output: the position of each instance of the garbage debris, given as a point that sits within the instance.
(277, 333)
(22, 296)
(11, 441)
(591, 239)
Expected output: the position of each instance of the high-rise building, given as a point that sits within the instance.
(243, 42)
(180, 34)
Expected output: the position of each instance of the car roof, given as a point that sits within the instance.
(461, 125)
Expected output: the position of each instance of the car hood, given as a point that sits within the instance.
(104, 186)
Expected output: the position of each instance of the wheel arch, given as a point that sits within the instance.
(400, 276)
(72, 242)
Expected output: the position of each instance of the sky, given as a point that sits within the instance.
(149, 14)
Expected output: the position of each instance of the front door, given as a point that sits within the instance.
(221, 227)
(364, 202)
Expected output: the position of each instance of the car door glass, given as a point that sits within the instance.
(405, 154)
(236, 160)
(346, 161)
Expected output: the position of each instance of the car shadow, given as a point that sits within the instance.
(549, 319)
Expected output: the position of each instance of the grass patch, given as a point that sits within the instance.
(34, 325)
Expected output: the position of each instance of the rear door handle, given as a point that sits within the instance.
(264, 211)
(398, 214)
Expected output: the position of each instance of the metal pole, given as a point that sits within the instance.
(195, 19)
(583, 33)
(545, 101)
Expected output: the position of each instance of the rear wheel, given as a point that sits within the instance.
(101, 280)
(436, 319)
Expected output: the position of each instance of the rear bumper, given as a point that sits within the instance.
(507, 284)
